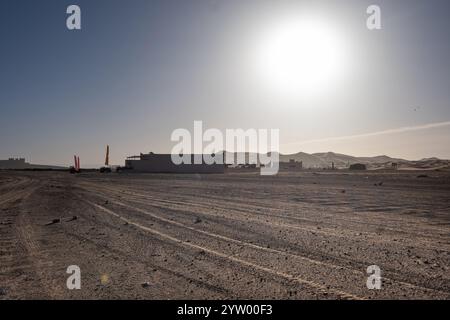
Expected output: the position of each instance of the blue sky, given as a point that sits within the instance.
(140, 69)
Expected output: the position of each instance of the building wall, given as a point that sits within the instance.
(162, 163)
(13, 164)
(291, 165)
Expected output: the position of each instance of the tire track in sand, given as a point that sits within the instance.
(316, 286)
(271, 250)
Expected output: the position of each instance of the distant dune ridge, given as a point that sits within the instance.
(326, 159)
(342, 161)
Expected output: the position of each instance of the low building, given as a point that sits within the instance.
(14, 163)
(21, 164)
(358, 166)
(291, 165)
(162, 163)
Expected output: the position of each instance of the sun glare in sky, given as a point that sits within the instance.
(300, 57)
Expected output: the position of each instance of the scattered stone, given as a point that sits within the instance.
(54, 221)
(145, 284)
(72, 219)
(197, 220)
(343, 191)
(3, 292)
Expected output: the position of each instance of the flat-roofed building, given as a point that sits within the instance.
(13, 163)
(162, 163)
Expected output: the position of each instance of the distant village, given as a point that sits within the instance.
(161, 163)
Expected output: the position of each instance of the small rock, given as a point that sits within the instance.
(3, 292)
(197, 220)
(145, 285)
(54, 221)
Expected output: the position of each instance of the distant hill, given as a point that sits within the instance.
(309, 160)
(339, 160)
(380, 159)
(342, 161)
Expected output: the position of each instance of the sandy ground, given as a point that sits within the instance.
(235, 236)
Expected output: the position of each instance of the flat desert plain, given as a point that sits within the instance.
(303, 235)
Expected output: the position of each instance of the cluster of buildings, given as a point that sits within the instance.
(162, 163)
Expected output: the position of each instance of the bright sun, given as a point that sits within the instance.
(300, 57)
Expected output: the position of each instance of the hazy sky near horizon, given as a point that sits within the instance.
(140, 69)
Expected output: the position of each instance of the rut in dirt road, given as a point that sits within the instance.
(361, 276)
(221, 236)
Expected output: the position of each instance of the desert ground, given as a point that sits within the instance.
(302, 235)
